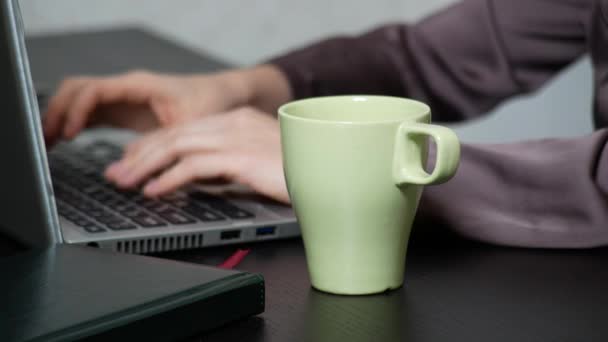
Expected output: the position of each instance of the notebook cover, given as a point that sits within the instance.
(69, 292)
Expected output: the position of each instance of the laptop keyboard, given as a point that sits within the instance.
(86, 199)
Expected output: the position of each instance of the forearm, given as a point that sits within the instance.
(549, 193)
(462, 61)
(269, 87)
(264, 87)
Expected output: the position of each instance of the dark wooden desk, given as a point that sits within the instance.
(455, 290)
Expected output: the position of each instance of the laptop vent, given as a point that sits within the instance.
(160, 244)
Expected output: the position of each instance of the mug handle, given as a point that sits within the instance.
(408, 160)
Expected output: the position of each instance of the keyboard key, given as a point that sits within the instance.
(180, 203)
(74, 216)
(92, 174)
(102, 196)
(59, 188)
(115, 203)
(94, 229)
(231, 211)
(98, 178)
(135, 213)
(98, 213)
(139, 199)
(88, 226)
(159, 208)
(62, 208)
(121, 226)
(152, 205)
(63, 212)
(221, 205)
(148, 221)
(176, 217)
(110, 220)
(79, 183)
(235, 213)
(128, 194)
(84, 206)
(123, 209)
(175, 196)
(91, 189)
(83, 222)
(205, 198)
(70, 198)
(202, 214)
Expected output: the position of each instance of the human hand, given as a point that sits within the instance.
(241, 146)
(144, 100)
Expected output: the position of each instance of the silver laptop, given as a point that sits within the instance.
(63, 197)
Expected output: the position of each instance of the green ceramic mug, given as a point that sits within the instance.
(354, 167)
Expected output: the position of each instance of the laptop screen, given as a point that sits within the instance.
(27, 210)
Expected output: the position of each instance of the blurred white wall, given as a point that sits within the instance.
(239, 31)
(245, 32)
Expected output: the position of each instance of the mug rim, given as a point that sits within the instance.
(425, 109)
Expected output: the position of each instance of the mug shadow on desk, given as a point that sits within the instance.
(381, 317)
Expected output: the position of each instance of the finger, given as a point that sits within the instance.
(58, 104)
(205, 134)
(118, 170)
(199, 167)
(157, 150)
(134, 87)
(146, 162)
(102, 92)
(164, 150)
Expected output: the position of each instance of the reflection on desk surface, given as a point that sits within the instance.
(355, 319)
(455, 290)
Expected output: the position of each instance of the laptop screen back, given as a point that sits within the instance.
(27, 210)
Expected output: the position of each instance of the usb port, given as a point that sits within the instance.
(265, 231)
(230, 234)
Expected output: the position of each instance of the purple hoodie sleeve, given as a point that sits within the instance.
(463, 61)
(544, 193)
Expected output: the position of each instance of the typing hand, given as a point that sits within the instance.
(241, 146)
(140, 100)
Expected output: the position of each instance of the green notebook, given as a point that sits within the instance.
(69, 292)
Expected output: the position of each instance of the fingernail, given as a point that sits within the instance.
(66, 133)
(111, 170)
(151, 188)
(124, 180)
